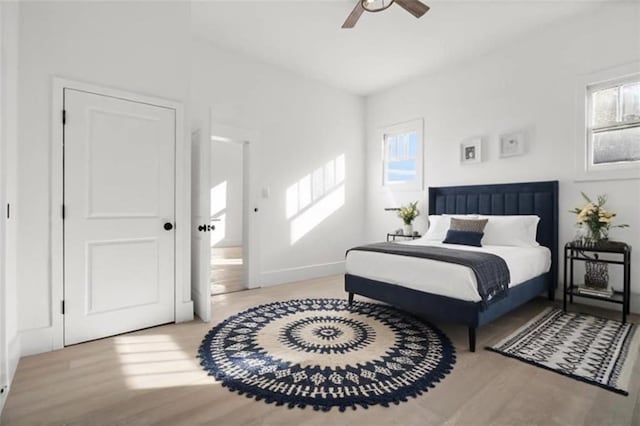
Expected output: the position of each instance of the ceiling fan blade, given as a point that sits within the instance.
(414, 7)
(353, 17)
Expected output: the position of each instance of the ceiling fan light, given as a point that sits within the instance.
(376, 5)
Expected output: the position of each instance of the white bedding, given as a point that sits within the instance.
(446, 279)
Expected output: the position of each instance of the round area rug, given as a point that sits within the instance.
(325, 353)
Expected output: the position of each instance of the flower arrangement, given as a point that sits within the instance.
(596, 219)
(409, 212)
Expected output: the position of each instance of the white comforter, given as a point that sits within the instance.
(446, 279)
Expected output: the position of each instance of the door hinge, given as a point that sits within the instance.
(8, 210)
(63, 212)
(62, 307)
(64, 117)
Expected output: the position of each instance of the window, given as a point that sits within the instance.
(402, 156)
(614, 122)
(608, 124)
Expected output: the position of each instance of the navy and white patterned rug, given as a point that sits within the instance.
(591, 349)
(324, 353)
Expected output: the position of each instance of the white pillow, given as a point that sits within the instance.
(439, 225)
(519, 230)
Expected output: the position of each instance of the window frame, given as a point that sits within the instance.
(416, 126)
(588, 84)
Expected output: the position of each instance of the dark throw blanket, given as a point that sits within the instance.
(492, 273)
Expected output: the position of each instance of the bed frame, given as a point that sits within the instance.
(539, 198)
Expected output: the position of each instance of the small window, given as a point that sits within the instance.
(402, 156)
(614, 122)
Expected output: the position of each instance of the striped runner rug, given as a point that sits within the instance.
(584, 347)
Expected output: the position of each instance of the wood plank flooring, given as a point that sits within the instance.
(227, 270)
(153, 377)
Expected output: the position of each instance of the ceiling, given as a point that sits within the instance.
(384, 49)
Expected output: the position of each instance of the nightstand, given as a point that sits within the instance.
(617, 253)
(393, 236)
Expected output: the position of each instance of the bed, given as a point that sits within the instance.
(530, 198)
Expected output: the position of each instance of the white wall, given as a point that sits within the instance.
(9, 342)
(302, 125)
(527, 84)
(146, 48)
(135, 46)
(226, 180)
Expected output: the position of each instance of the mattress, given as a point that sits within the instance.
(446, 279)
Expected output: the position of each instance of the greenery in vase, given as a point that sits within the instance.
(595, 219)
(409, 212)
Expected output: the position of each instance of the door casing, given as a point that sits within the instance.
(183, 302)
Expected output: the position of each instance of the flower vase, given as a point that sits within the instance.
(596, 275)
(595, 237)
(407, 229)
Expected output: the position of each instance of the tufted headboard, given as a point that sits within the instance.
(539, 198)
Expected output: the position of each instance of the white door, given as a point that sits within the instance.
(119, 243)
(200, 250)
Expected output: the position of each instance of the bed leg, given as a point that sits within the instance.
(350, 299)
(472, 339)
(551, 293)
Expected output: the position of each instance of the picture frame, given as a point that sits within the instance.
(471, 151)
(512, 144)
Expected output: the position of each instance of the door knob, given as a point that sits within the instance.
(168, 226)
(202, 228)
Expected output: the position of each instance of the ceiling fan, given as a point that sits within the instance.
(414, 7)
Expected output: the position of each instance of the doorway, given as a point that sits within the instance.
(227, 197)
(201, 220)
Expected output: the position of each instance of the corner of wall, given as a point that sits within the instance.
(36, 341)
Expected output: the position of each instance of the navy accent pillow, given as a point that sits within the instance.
(466, 238)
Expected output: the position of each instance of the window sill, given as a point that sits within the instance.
(628, 174)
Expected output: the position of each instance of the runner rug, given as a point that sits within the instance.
(584, 347)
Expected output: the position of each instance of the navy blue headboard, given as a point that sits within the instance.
(539, 198)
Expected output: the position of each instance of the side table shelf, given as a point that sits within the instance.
(575, 251)
(392, 236)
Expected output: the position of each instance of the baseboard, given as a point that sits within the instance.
(13, 354)
(40, 340)
(36, 341)
(184, 312)
(301, 273)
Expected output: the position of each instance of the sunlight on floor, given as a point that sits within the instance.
(156, 361)
(223, 262)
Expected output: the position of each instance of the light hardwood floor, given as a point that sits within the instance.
(153, 377)
(227, 270)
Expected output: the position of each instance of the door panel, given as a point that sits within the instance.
(119, 187)
(116, 194)
(106, 284)
(200, 247)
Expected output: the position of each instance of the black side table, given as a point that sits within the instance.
(393, 236)
(575, 250)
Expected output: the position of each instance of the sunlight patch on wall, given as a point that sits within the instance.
(316, 214)
(218, 198)
(218, 234)
(218, 217)
(315, 197)
(157, 361)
